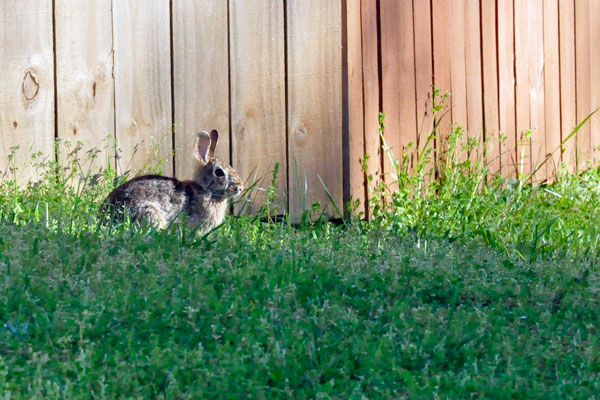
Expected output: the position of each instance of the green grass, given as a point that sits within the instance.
(472, 287)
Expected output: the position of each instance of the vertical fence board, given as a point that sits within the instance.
(356, 132)
(142, 84)
(370, 60)
(582, 73)
(84, 81)
(26, 85)
(314, 102)
(391, 55)
(408, 123)
(458, 83)
(258, 93)
(522, 106)
(535, 24)
(567, 80)
(594, 78)
(201, 78)
(490, 85)
(506, 88)
(441, 16)
(423, 71)
(551, 87)
(473, 74)
(398, 66)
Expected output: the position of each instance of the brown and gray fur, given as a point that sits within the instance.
(161, 200)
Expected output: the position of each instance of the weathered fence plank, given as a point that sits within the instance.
(314, 102)
(84, 79)
(258, 94)
(551, 87)
(392, 36)
(458, 84)
(491, 104)
(143, 84)
(594, 79)
(371, 94)
(398, 71)
(473, 70)
(535, 24)
(441, 16)
(506, 89)
(522, 106)
(582, 74)
(26, 86)
(354, 98)
(423, 73)
(568, 112)
(200, 78)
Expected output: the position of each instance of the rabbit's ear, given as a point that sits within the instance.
(214, 139)
(202, 146)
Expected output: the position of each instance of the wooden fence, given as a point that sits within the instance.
(266, 74)
(298, 82)
(510, 65)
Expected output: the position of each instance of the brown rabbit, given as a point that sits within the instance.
(161, 200)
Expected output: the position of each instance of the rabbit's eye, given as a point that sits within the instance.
(219, 172)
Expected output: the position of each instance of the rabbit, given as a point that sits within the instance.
(160, 200)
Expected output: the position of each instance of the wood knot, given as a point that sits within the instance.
(301, 132)
(133, 128)
(30, 86)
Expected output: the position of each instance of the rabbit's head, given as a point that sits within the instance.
(214, 175)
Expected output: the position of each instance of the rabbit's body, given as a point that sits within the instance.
(161, 200)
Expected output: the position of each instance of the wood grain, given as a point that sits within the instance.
(356, 132)
(491, 104)
(258, 94)
(423, 72)
(142, 84)
(568, 111)
(594, 79)
(522, 100)
(551, 87)
(200, 77)
(26, 86)
(458, 84)
(398, 71)
(370, 61)
(406, 93)
(441, 16)
(473, 70)
(535, 24)
(582, 73)
(314, 102)
(391, 60)
(506, 89)
(84, 80)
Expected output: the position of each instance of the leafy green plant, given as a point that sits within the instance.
(448, 191)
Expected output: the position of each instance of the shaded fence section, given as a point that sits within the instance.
(150, 74)
(512, 66)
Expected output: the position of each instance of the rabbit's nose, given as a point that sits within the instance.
(236, 189)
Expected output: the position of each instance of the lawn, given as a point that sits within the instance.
(475, 287)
